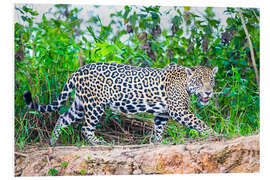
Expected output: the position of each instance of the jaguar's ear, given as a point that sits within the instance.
(215, 70)
(188, 71)
(171, 66)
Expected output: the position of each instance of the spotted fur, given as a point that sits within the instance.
(164, 92)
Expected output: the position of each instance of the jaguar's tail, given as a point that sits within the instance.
(62, 98)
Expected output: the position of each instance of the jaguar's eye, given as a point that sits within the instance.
(212, 80)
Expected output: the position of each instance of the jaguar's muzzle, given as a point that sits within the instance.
(204, 100)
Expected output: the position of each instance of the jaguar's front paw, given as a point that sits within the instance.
(97, 141)
(213, 135)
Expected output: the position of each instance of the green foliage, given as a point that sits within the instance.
(48, 51)
(53, 172)
(64, 164)
(82, 171)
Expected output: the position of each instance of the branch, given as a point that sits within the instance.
(258, 19)
(21, 154)
(250, 47)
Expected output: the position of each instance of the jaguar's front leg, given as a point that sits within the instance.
(187, 118)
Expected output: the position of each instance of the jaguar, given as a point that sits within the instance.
(165, 92)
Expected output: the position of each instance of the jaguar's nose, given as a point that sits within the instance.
(208, 93)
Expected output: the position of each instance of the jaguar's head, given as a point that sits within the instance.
(201, 81)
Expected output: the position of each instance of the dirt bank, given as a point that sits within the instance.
(241, 154)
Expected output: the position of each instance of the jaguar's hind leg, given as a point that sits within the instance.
(75, 113)
(93, 113)
(160, 122)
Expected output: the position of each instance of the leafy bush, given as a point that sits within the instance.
(47, 52)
